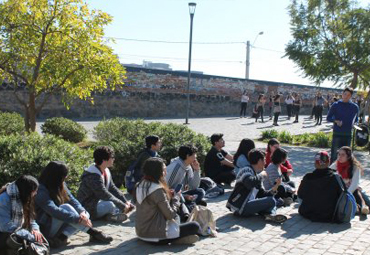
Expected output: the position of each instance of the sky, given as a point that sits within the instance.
(220, 31)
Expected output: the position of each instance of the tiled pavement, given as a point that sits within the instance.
(247, 235)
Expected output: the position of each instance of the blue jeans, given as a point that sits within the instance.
(199, 192)
(337, 143)
(67, 229)
(265, 205)
(106, 207)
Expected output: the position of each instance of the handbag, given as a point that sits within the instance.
(26, 247)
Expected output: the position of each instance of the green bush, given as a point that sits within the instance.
(65, 128)
(285, 137)
(29, 154)
(127, 137)
(320, 140)
(11, 123)
(269, 133)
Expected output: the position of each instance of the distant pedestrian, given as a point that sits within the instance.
(320, 101)
(289, 105)
(297, 106)
(271, 103)
(244, 104)
(343, 114)
(260, 106)
(277, 109)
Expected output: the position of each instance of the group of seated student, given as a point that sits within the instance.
(34, 209)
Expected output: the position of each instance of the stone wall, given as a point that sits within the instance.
(160, 94)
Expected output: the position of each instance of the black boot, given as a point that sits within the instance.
(97, 236)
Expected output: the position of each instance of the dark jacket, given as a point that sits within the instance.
(46, 209)
(319, 192)
(92, 189)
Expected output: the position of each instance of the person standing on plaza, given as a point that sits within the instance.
(289, 105)
(271, 103)
(218, 164)
(297, 106)
(260, 106)
(277, 109)
(320, 101)
(343, 113)
(244, 104)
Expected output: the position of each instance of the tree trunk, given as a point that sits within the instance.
(30, 116)
(354, 80)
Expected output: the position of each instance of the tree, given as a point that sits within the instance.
(55, 46)
(331, 41)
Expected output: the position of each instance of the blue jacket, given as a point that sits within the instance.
(6, 215)
(46, 209)
(347, 113)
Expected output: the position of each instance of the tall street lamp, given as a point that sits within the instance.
(191, 12)
(248, 55)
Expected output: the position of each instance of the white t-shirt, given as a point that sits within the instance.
(245, 99)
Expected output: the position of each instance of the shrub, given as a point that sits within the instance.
(285, 137)
(29, 154)
(320, 140)
(65, 128)
(11, 123)
(269, 133)
(127, 137)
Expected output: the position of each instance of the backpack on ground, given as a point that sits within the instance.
(210, 187)
(204, 217)
(362, 136)
(345, 208)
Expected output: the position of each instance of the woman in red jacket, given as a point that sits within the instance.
(286, 168)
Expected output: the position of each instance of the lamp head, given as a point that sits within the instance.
(192, 8)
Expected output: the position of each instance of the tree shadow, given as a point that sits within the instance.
(234, 118)
(231, 223)
(270, 126)
(248, 124)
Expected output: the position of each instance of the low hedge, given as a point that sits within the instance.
(127, 137)
(11, 123)
(29, 154)
(67, 129)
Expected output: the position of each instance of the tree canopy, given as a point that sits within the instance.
(49, 46)
(331, 41)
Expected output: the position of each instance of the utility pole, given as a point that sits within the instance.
(247, 62)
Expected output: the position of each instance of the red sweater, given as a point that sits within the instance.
(283, 167)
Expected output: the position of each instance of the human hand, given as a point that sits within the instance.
(38, 236)
(189, 197)
(289, 172)
(264, 174)
(339, 123)
(129, 207)
(278, 181)
(85, 221)
(195, 165)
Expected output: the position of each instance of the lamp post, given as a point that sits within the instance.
(247, 63)
(191, 12)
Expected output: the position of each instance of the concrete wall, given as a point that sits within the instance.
(156, 93)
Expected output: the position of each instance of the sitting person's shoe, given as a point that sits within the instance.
(277, 218)
(99, 237)
(58, 241)
(365, 210)
(288, 201)
(186, 240)
(202, 202)
(119, 217)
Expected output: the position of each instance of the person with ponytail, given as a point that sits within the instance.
(156, 209)
(350, 169)
(59, 213)
(17, 213)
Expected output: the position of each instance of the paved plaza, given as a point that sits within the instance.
(247, 235)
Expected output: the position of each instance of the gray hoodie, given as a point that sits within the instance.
(178, 173)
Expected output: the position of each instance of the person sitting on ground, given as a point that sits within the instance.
(286, 190)
(350, 170)
(286, 168)
(319, 191)
(185, 170)
(59, 213)
(153, 145)
(218, 164)
(17, 214)
(156, 207)
(249, 182)
(97, 192)
(241, 155)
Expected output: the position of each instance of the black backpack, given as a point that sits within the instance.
(362, 136)
(238, 198)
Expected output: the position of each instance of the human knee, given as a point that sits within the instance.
(69, 208)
